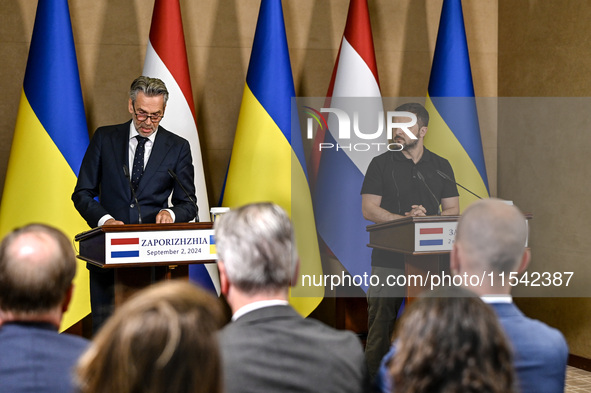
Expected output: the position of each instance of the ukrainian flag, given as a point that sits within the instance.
(454, 132)
(267, 161)
(49, 141)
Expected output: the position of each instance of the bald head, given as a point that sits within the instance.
(37, 266)
(491, 236)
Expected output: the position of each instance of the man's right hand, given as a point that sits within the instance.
(417, 211)
(370, 206)
(112, 221)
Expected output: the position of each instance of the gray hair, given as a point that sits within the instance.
(256, 244)
(37, 266)
(151, 87)
(493, 235)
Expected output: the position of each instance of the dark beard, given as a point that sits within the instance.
(412, 144)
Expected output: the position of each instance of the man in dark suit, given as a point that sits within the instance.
(37, 266)
(268, 346)
(490, 239)
(128, 167)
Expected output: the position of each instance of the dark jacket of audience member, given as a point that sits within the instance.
(490, 242)
(37, 266)
(269, 347)
(490, 239)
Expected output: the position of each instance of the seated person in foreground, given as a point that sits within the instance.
(37, 266)
(451, 341)
(268, 346)
(163, 339)
(491, 237)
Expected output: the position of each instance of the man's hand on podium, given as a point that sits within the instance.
(164, 217)
(417, 211)
(112, 221)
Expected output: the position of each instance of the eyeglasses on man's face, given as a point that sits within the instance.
(143, 116)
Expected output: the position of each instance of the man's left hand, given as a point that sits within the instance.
(417, 211)
(164, 217)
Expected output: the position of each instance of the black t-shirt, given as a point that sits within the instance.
(397, 180)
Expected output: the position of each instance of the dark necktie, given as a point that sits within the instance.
(138, 161)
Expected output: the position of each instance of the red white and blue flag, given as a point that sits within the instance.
(337, 175)
(125, 247)
(166, 59)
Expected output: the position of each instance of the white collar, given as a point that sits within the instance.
(490, 299)
(133, 133)
(257, 305)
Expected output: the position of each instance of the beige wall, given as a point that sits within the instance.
(543, 164)
(111, 37)
(519, 48)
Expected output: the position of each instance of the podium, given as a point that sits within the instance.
(425, 243)
(141, 254)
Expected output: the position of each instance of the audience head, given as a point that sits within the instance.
(490, 237)
(37, 266)
(451, 341)
(163, 339)
(256, 249)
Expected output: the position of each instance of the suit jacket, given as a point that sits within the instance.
(540, 352)
(102, 175)
(35, 358)
(274, 349)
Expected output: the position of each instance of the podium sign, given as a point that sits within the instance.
(435, 236)
(148, 245)
(142, 254)
(415, 235)
(159, 246)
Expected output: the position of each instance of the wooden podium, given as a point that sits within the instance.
(142, 254)
(425, 243)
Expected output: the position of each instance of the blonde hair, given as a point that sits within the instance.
(162, 339)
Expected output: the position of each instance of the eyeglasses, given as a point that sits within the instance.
(144, 116)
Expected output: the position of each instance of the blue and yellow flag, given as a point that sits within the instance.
(49, 141)
(454, 132)
(267, 161)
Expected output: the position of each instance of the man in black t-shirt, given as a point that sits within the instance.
(398, 184)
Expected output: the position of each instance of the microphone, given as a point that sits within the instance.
(173, 175)
(139, 211)
(422, 178)
(446, 177)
